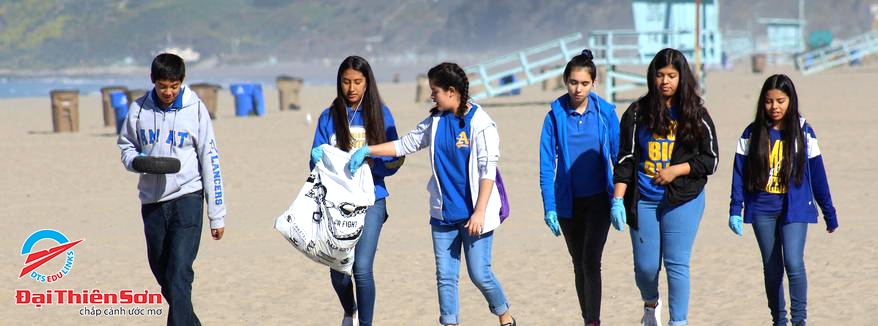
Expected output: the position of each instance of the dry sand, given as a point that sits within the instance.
(74, 183)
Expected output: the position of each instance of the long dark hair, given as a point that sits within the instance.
(651, 107)
(793, 162)
(370, 106)
(583, 60)
(446, 75)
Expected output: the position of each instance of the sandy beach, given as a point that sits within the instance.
(74, 183)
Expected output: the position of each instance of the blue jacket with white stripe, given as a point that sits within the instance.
(800, 198)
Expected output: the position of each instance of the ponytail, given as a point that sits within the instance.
(583, 60)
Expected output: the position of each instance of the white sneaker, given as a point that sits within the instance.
(652, 316)
(348, 321)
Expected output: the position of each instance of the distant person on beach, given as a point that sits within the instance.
(578, 147)
(171, 121)
(357, 117)
(668, 147)
(777, 177)
(464, 200)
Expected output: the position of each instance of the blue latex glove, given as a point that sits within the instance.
(316, 154)
(735, 224)
(617, 214)
(831, 225)
(358, 158)
(552, 222)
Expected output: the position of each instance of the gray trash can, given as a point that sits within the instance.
(207, 93)
(288, 89)
(134, 94)
(757, 63)
(65, 110)
(422, 89)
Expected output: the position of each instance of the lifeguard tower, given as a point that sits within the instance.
(783, 37)
(658, 24)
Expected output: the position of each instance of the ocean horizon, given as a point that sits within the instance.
(28, 87)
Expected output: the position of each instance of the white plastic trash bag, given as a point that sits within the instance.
(326, 218)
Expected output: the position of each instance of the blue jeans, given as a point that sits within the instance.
(783, 248)
(364, 256)
(173, 233)
(666, 234)
(447, 240)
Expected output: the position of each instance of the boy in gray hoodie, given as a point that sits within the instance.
(171, 121)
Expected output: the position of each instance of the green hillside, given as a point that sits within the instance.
(40, 34)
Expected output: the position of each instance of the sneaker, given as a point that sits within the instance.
(348, 321)
(652, 316)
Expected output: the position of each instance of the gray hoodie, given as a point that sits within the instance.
(185, 133)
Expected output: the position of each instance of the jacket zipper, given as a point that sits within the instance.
(158, 192)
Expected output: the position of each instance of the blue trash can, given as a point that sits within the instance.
(243, 99)
(119, 102)
(258, 100)
(248, 99)
(506, 80)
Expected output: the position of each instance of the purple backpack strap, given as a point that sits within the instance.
(504, 201)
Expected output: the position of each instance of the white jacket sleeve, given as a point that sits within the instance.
(488, 152)
(128, 141)
(211, 174)
(414, 140)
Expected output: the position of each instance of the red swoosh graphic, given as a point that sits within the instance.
(45, 256)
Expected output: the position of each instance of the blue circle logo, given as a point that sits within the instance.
(38, 258)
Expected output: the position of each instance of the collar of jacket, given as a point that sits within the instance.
(560, 111)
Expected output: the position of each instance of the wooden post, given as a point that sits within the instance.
(698, 43)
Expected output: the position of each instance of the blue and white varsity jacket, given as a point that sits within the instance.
(799, 199)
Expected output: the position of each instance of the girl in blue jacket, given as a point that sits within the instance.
(356, 118)
(465, 202)
(778, 175)
(578, 145)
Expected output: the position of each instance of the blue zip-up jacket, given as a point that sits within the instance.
(799, 199)
(555, 182)
(382, 166)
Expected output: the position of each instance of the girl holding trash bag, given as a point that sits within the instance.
(667, 149)
(580, 133)
(778, 174)
(464, 200)
(358, 117)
